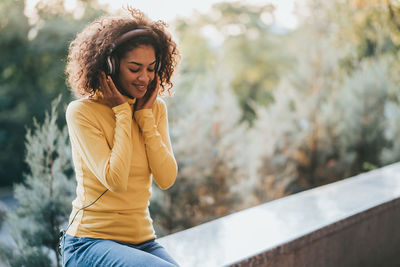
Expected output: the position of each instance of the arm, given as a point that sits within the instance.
(109, 164)
(158, 145)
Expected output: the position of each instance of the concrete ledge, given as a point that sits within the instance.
(354, 222)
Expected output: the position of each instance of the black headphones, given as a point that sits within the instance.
(112, 63)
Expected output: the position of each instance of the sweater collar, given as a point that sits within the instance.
(130, 101)
(99, 97)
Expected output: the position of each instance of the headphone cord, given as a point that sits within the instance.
(63, 232)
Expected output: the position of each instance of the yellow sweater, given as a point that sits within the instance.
(113, 151)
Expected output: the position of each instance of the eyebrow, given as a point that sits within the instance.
(139, 64)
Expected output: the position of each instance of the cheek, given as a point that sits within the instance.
(151, 76)
(126, 76)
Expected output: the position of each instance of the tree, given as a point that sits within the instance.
(32, 63)
(239, 38)
(330, 119)
(44, 199)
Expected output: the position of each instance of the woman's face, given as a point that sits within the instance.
(136, 71)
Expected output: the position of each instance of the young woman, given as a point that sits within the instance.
(119, 135)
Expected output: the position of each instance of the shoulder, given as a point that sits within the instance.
(160, 104)
(83, 108)
(159, 107)
(76, 107)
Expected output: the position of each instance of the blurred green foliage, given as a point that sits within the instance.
(32, 62)
(318, 104)
(239, 41)
(44, 199)
(260, 111)
(336, 115)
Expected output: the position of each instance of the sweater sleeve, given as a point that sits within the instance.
(109, 164)
(158, 145)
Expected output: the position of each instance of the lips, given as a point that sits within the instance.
(140, 87)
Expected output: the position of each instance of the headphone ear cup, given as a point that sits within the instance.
(115, 64)
(111, 65)
(158, 65)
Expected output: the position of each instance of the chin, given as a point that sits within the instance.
(140, 95)
(135, 94)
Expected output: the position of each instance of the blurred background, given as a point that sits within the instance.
(271, 98)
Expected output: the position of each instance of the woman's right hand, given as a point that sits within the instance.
(110, 92)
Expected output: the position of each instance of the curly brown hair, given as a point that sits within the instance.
(88, 52)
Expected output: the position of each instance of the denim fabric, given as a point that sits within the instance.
(85, 251)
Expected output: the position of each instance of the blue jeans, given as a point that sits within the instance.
(85, 251)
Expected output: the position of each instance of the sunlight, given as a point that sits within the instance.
(170, 10)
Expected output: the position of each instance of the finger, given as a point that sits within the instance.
(156, 90)
(104, 85)
(112, 86)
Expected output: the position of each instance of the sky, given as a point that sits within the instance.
(167, 10)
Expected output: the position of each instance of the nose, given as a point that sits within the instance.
(144, 77)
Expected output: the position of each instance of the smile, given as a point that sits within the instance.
(140, 87)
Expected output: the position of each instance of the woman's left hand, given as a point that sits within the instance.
(147, 101)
